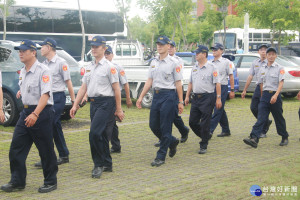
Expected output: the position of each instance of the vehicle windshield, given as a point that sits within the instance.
(230, 39)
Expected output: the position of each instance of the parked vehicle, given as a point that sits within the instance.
(291, 84)
(294, 59)
(10, 65)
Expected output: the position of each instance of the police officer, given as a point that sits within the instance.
(114, 137)
(101, 82)
(61, 77)
(224, 67)
(165, 77)
(2, 117)
(35, 122)
(271, 78)
(184, 130)
(203, 82)
(253, 72)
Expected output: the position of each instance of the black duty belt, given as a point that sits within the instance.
(163, 90)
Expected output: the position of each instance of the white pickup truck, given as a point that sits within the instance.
(130, 55)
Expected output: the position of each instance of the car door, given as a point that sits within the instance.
(243, 72)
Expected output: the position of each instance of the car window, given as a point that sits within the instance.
(247, 61)
(285, 62)
(236, 60)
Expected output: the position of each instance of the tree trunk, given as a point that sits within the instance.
(182, 32)
(224, 38)
(279, 42)
(126, 20)
(83, 31)
(174, 31)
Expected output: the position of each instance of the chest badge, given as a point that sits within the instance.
(194, 70)
(20, 78)
(153, 66)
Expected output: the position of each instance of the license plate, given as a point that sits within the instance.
(68, 99)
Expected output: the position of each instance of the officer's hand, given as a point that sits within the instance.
(186, 101)
(298, 95)
(2, 117)
(120, 114)
(243, 94)
(180, 108)
(139, 103)
(30, 120)
(273, 99)
(218, 103)
(128, 102)
(73, 111)
(18, 95)
(231, 95)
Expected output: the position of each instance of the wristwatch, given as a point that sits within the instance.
(218, 96)
(231, 90)
(182, 102)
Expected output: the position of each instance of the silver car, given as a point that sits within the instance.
(291, 84)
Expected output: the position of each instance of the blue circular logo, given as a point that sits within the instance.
(255, 190)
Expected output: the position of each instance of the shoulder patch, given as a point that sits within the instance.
(122, 73)
(45, 78)
(178, 69)
(230, 65)
(113, 70)
(282, 71)
(215, 73)
(65, 67)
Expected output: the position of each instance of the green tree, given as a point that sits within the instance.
(4, 8)
(277, 15)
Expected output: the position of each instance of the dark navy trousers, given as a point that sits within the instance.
(200, 116)
(162, 115)
(265, 107)
(41, 135)
(254, 106)
(178, 122)
(102, 119)
(114, 137)
(219, 115)
(59, 99)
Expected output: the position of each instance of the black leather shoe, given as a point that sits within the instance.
(47, 188)
(62, 160)
(284, 142)
(157, 162)
(38, 164)
(107, 169)
(223, 134)
(9, 187)
(262, 135)
(97, 171)
(157, 144)
(115, 150)
(252, 142)
(185, 136)
(173, 148)
(202, 151)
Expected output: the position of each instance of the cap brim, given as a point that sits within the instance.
(263, 46)
(21, 48)
(161, 42)
(95, 44)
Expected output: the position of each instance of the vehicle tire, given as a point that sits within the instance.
(66, 114)
(147, 100)
(10, 110)
(289, 94)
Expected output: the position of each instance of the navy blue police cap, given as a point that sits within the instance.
(98, 40)
(172, 43)
(262, 45)
(25, 45)
(271, 49)
(163, 40)
(108, 49)
(217, 46)
(49, 41)
(201, 49)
